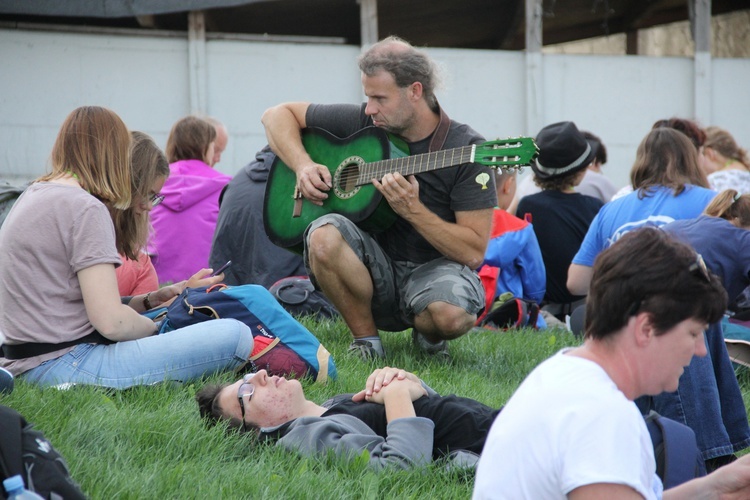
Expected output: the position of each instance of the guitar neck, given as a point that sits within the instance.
(417, 164)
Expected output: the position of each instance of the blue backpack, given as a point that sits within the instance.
(258, 309)
(678, 459)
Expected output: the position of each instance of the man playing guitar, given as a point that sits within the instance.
(419, 272)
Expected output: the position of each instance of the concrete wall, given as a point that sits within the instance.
(146, 79)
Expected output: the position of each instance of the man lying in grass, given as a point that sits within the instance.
(397, 418)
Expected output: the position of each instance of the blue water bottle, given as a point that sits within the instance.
(16, 491)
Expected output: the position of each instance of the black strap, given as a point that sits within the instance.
(31, 349)
(441, 132)
(533, 308)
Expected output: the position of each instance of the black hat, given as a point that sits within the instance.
(562, 149)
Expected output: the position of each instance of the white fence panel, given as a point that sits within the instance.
(146, 80)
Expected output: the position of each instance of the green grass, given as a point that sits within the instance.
(148, 442)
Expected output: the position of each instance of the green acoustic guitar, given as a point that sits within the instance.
(354, 162)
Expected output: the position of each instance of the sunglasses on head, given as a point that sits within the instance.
(698, 268)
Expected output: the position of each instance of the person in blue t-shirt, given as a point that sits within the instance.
(669, 185)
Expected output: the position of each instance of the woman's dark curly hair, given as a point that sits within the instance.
(647, 270)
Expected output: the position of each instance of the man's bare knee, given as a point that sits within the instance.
(325, 244)
(450, 321)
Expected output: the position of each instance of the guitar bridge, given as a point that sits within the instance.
(297, 210)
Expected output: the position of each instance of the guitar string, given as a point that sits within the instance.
(409, 165)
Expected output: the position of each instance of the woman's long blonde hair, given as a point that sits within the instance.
(723, 143)
(93, 145)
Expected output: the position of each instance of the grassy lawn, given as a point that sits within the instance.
(148, 442)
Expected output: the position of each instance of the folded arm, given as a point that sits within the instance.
(381, 377)
(408, 443)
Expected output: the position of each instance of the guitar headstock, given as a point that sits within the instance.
(513, 152)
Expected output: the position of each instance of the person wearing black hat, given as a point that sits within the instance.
(560, 215)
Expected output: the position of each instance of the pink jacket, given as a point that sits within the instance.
(184, 222)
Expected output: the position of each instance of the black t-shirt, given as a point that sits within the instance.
(560, 222)
(460, 423)
(240, 235)
(444, 191)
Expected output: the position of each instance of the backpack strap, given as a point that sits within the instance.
(270, 346)
(11, 451)
(682, 460)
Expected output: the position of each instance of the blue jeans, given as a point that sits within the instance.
(708, 400)
(180, 355)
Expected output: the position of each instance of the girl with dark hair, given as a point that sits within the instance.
(150, 170)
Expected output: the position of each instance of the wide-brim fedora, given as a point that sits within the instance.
(563, 149)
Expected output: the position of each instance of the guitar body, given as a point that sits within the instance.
(363, 205)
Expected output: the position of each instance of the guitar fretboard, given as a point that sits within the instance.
(417, 164)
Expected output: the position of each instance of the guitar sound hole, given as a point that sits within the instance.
(345, 177)
(349, 178)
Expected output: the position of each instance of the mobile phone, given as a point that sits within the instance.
(221, 269)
